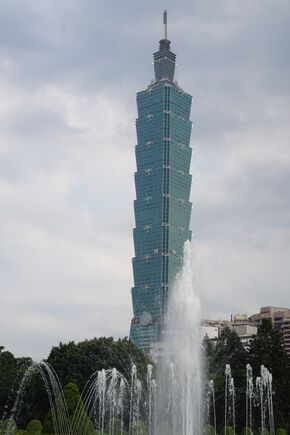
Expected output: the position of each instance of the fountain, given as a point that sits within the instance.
(178, 402)
(180, 371)
(230, 413)
(210, 405)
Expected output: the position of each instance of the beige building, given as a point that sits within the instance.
(280, 318)
(245, 331)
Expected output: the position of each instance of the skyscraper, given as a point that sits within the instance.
(162, 206)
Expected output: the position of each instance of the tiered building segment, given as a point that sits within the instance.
(162, 206)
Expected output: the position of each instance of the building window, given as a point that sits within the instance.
(147, 199)
(148, 171)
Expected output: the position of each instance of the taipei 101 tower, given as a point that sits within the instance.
(162, 207)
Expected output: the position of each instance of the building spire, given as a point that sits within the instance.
(164, 59)
(165, 24)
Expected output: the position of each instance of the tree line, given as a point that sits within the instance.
(75, 362)
(265, 348)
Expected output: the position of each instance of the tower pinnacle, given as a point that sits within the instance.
(165, 24)
(164, 59)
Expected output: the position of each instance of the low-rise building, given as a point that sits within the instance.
(245, 331)
(210, 332)
(280, 318)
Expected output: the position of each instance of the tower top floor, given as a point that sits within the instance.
(164, 58)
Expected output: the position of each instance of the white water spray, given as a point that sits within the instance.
(181, 370)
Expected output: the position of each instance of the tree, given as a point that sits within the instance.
(227, 430)
(76, 362)
(80, 423)
(11, 373)
(228, 350)
(209, 430)
(8, 372)
(8, 426)
(266, 348)
(34, 427)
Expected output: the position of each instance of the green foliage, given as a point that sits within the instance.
(34, 427)
(76, 362)
(228, 350)
(11, 373)
(246, 431)
(11, 369)
(209, 430)
(71, 395)
(280, 431)
(48, 426)
(227, 430)
(264, 432)
(76, 412)
(8, 426)
(267, 348)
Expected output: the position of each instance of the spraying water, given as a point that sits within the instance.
(171, 405)
(249, 398)
(264, 392)
(54, 393)
(230, 398)
(210, 405)
(181, 370)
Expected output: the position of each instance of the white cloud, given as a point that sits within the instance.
(68, 73)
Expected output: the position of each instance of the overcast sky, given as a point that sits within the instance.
(69, 71)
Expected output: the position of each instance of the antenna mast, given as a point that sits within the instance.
(165, 24)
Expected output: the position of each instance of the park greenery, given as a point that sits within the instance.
(75, 362)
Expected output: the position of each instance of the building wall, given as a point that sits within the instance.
(162, 207)
(245, 330)
(210, 331)
(280, 318)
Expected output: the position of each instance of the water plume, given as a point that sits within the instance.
(180, 377)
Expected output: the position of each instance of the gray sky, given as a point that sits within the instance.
(69, 71)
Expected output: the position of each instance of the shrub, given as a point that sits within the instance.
(8, 426)
(209, 430)
(227, 430)
(34, 427)
(48, 426)
(247, 431)
(265, 432)
(280, 431)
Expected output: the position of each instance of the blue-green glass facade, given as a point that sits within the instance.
(162, 207)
